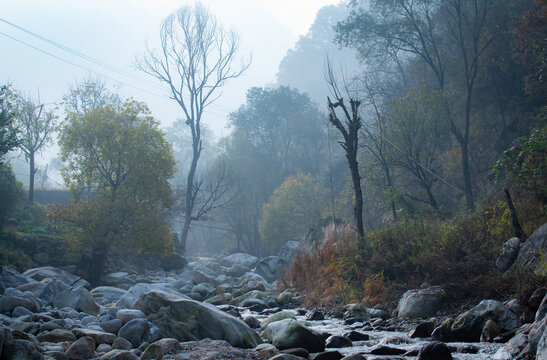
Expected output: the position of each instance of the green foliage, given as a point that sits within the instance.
(525, 163)
(119, 153)
(8, 129)
(292, 210)
(10, 191)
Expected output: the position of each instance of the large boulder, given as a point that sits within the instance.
(270, 267)
(130, 297)
(189, 320)
(13, 298)
(136, 331)
(290, 333)
(20, 350)
(529, 255)
(421, 303)
(508, 254)
(173, 262)
(119, 279)
(78, 299)
(468, 326)
(198, 277)
(242, 259)
(50, 272)
(10, 278)
(107, 294)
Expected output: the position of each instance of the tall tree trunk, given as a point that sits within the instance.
(190, 197)
(31, 178)
(515, 223)
(358, 208)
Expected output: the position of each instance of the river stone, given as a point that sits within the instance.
(529, 255)
(126, 315)
(57, 335)
(10, 278)
(109, 293)
(508, 254)
(290, 333)
(277, 317)
(111, 326)
(168, 344)
(423, 330)
(327, 355)
(119, 355)
(136, 331)
(78, 299)
(100, 337)
(13, 298)
(50, 272)
(489, 331)
(246, 260)
(173, 262)
(20, 350)
(198, 277)
(356, 336)
(336, 341)
(468, 326)
(122, 344)
(434, 351)
(189, 320)
(83, 348)
(270, 267)
(420, 303)
(357, 311)
(152, 352)
(285, 357)
(130, 297)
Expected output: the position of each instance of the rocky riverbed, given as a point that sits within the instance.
(228, 308)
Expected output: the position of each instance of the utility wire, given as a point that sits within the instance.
(99, 62)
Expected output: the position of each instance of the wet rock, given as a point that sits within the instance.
(301, 352)
(266, 351)
(423, 330)
(354, 357)
(336, 341)
(277, 317)
(83, 348)
(289, 333)
(120, 355)
(435, 351)
(327, 355)
(284, 298)
(111, 326)
(356, 336)
(386, 350)
(257, 304)
(468, 326)
(420, 303)
(443, 333)
(78, 299)
(508, 254)
(286, 357)
(489, 331)
(315, 314)
(136, 331)
(188, 320)
(357, 312)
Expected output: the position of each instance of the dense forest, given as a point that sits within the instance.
(408, 138)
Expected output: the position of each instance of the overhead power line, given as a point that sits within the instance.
(223, 109)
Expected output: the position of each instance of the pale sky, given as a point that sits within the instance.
(114, 32)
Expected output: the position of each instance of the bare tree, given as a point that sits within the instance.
(196, 59)
(350, 132)
(35, 125)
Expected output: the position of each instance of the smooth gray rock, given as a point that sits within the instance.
(13, 298)
(57, 335)
(99, 337)
(290, 333)
(198, 277)
(83, 348)
(468, 326)
(20, 350)
(242, 259)
(128, 300)
(435, 351)
(270, 267)
(78, 299)
(420, 303)
(10, 278)
(529, 255)
(109, 293)
(508, 254)
(189, 320)
(126, 315)
(136, 331)
(50, 272)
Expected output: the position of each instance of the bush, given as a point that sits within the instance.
(10, 191)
